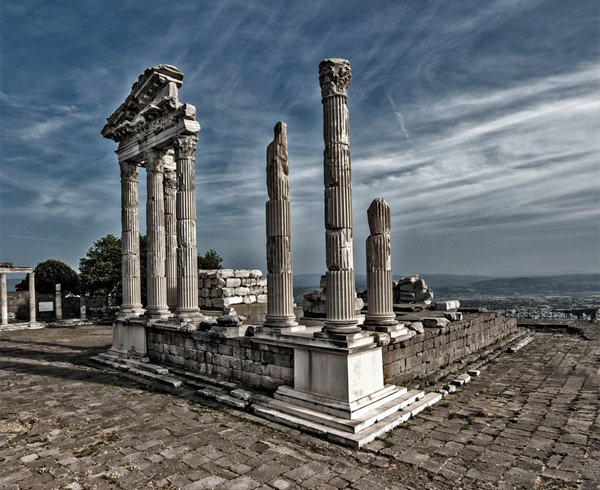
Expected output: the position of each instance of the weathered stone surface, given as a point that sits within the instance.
(453, 316)
(411, 289)
(434, 322)
(446, 305)
(334, 78)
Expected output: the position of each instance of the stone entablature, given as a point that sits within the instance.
(151, 116)
(224, 288)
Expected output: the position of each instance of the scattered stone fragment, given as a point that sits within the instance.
(453, 316)
(434, 322)
(417, 327)
(446, 305)
(450, 388)
(473, 372)
(443, 392)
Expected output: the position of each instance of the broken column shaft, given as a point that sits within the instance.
(280, 303)
(334, 78)
(379, 269)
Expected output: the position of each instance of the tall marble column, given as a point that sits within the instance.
(170, 197)
(334, 78)
(130, 241)
(187, 255)
(31, 278)
(280, 302)
(3, 298)
(380, 300)
(155, 236)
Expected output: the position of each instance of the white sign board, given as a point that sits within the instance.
(46, 306)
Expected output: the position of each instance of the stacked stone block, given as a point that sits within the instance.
(411, 289)
(225, 288)
(426, 354)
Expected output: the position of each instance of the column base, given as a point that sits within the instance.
(341, 327)
(395, 329)
(130, 311)
(183, 315)
(279, 324)
(157, 313)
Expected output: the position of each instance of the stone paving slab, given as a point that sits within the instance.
(530, 420)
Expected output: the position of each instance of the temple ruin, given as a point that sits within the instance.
(8, 268)
(340, 376)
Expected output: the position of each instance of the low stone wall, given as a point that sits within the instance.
(255, 364)
(225, 288)
(425, 354)
(265, 367)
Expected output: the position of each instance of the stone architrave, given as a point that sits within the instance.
(280, 302)
(3, 298)
(31, 278)
(155, 236)
(58, 302)
(380, 295)
(130, 242)
(334, 78)
(170, 197)
(187, 254)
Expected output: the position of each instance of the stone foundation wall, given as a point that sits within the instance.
(225, 288)
(425, 354)
(255, 364)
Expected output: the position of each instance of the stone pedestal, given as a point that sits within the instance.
(187, 255)
(130, 242)
(334, 78)
(32, 304)
(58, 302)
(155, 236)
(280, 303)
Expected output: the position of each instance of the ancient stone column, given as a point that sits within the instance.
(187, 255)
(280, 295)
(31, 277)
(155, 236)
(82, 307)
(130, 241)
(334, 78)
(170, 196)
(379, 268)
(3, 298)
(58, 302)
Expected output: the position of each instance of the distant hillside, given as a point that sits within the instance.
(544, 285)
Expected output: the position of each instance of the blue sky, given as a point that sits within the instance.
(477, 121)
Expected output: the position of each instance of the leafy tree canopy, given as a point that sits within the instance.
(210, 260)
(50, 273)
(101, 268)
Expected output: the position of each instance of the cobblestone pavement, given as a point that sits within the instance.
(529, 421)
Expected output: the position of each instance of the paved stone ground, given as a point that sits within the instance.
(529, 421)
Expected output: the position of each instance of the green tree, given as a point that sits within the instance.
(50, 273)
(101, 269)
(210, 260)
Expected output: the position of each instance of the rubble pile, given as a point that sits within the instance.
(222, 288)
(411, 289)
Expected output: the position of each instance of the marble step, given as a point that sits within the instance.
(116, 363)
(144, 366)
(378, 412)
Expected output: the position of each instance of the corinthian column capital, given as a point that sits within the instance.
(185, 146)
(334, 77)
(155, 160)
(129, 171)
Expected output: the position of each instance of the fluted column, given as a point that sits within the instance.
(187, 255)
(380, 300)
(155, 236)
(334, 78)
(280, 295)
(170, 197)
(130, 241)
(31, 278)
(3, 298)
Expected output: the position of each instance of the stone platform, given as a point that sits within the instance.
(530, 420)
